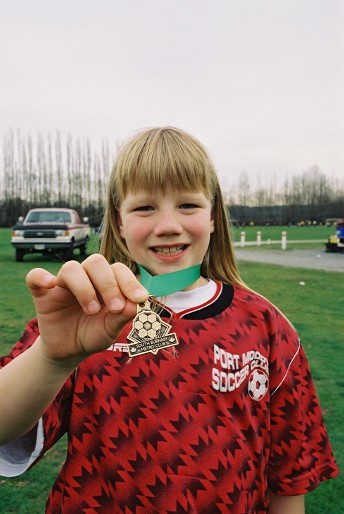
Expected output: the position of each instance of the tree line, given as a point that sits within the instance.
(310, 197)
(52, 171)
(56, 171)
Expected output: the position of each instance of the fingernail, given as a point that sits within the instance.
(47, 278)
(116, 304)
(93, 307)
(140, 294)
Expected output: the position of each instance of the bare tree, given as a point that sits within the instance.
(48, 170)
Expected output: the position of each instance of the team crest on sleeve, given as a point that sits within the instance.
(258, 384)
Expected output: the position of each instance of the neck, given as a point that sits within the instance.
(201, 281)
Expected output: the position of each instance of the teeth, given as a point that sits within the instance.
(169, 251)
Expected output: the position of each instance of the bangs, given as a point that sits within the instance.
(159, 157)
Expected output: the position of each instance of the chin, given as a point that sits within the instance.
(167, 268)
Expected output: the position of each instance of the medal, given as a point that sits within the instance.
(149, 332)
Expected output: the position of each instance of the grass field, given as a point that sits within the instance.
(316, 310)
(294, 233)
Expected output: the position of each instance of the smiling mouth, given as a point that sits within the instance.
(172, 250)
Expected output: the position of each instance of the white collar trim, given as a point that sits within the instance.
(183, 300)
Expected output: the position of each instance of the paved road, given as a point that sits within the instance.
(314, 259)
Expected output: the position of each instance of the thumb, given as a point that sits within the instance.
(38, 281)
(115, 322)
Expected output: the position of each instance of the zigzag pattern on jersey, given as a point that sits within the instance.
(151, 435)
(166, 448)
(159, 439)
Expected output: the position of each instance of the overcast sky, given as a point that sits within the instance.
(259, 82)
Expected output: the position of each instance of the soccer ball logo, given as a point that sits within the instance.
(147, 325)
(258, 384)
(149, 334)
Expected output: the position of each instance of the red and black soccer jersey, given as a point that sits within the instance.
(206, 427)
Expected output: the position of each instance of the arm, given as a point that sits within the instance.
(286, 504)
(28, 384)
(80, 311)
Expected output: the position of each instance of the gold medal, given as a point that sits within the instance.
(149, 333)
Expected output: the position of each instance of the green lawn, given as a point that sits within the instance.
(293, 233)
(316, 309)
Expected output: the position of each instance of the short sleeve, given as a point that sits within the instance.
(300, 452)
(56, 419)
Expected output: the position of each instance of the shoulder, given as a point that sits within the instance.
(252, 298)
(261, 312)
(257, 305)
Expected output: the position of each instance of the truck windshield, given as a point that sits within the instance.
(49, 216)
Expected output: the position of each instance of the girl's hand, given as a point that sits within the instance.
(83, 309)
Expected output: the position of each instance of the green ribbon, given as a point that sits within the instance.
(162, 285)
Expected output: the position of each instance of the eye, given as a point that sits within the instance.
(143, 208)
(188, 206)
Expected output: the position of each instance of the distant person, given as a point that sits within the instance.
(181, 389)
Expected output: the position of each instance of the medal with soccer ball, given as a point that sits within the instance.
(150, 333)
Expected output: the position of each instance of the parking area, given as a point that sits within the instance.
(313, 259)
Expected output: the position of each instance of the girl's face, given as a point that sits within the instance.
(166, 231)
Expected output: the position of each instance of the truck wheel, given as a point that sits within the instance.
(19, 255)
(68, 254)
(83, 248)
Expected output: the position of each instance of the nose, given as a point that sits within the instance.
(167, 223)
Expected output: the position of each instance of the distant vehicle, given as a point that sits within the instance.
(50, 231)
(331, 222)
(335, 242)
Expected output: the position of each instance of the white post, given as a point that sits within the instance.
(284, 240)
(259, 238)
(242, 238)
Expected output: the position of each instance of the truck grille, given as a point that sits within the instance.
(39, 233)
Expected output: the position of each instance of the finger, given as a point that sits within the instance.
(73, 276)
(128, 283)
(104, 281)
(38, 280)
(114, 323)
(115, 283)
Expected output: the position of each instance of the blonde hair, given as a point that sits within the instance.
(168, 155)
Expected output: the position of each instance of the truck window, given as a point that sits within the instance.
(49, 217)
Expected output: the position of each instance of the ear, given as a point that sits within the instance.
(212, 221)
(119, 224)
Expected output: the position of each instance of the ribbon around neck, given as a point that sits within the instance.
(162, 285)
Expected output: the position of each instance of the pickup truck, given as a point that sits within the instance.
(50, 231)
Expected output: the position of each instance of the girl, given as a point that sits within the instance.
(209, 406)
